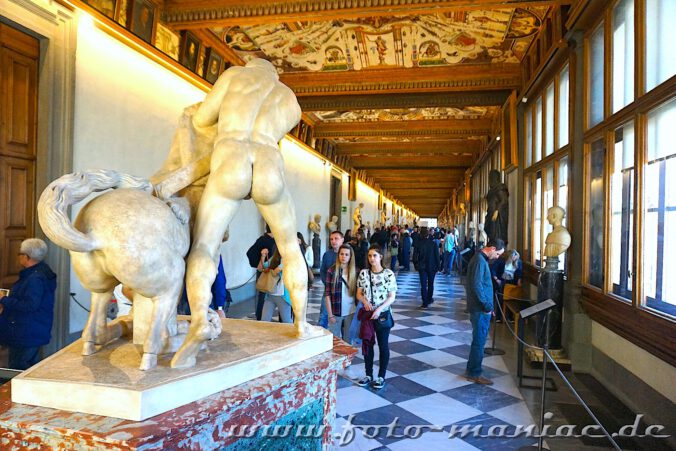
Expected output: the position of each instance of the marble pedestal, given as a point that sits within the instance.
(109, 382)
(550, 286)
(300, 400)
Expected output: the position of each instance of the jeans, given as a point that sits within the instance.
(481, 322)
(260, 301)
(393, 265)
(323, 316)
(269, 308)
(22, 358)
(341, 328)
(406, 260)
(383, 337)
(448, 261)
(427, 285)
(355, 325)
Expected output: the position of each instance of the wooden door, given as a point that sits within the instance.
(19, 54)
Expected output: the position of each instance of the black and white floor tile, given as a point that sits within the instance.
(425, 389)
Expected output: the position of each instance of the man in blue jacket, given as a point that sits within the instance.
(27, 313)
(480, 306)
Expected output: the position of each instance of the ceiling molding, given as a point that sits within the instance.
(369, 163)
(456, 77)
(403, 100)
(411, 148)
(184, 14)
(445, 127)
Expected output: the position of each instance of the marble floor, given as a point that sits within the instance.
(426, 396)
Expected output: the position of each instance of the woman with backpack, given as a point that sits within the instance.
(278, 297)
(376, 290)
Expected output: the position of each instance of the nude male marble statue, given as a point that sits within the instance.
(253, 110)
(356, 217)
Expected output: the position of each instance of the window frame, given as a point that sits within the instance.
(651, 329)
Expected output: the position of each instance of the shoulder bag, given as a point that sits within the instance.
(385, 319)
(270, 283)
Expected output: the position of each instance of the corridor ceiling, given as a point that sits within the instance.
(409, 90)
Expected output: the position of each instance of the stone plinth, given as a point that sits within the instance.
(301, 397)
(110, 383)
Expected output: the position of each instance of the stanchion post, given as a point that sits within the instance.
(543, 390)
(493, 350)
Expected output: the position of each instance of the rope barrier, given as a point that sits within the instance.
(558, 370)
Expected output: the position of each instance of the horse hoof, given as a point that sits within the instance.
(88, 348)
(148, 361)
(183, 362)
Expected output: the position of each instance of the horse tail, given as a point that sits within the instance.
(70, 189)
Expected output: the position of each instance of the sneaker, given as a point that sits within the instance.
(423, 307)
(378, 383)
(480, 380)
(364, 382)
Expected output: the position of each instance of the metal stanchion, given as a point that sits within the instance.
(493, 350)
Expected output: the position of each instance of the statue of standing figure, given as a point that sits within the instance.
(356, 217)
(497, 214)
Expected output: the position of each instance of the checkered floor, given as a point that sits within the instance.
(424, 382)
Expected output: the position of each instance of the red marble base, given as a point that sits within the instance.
(204, 424)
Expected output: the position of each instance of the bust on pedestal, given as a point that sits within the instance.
(550, 285)
(483, 237)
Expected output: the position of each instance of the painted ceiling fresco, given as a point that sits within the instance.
(501, 35)
(406, 114)
(391, 139)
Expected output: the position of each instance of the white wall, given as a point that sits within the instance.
(651, 370)
(126, 109)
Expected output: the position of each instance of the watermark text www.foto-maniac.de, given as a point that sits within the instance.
(347, 434)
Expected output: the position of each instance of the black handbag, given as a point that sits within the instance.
(385, 320)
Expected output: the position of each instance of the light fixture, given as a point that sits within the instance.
(497, 138)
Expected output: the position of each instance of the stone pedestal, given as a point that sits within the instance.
(550, 286)
(299, 400)
(316, 250)
(110, 383)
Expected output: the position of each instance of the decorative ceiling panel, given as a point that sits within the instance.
(475, 36)
(405, 114)
(390, 139)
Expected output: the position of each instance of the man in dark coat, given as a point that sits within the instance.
(427, 255)
(480, 306)
(27, 313)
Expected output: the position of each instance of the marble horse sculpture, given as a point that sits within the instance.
(123, 236)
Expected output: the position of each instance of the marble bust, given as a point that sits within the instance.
(314, 226)
(558, 240)
(483, 237)
(332, 225)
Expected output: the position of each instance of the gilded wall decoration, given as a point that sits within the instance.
(476, 36)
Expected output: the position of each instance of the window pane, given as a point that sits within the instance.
(537, 223)
(548, 200)
(622, 211)
(659, 205)
(623, 54)
(596, 77)
(549, 121)
(563, 200)
(529, 217)
(537, 130)
(528, 151)
(564, 95)
(660, 38)
(597, 212)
